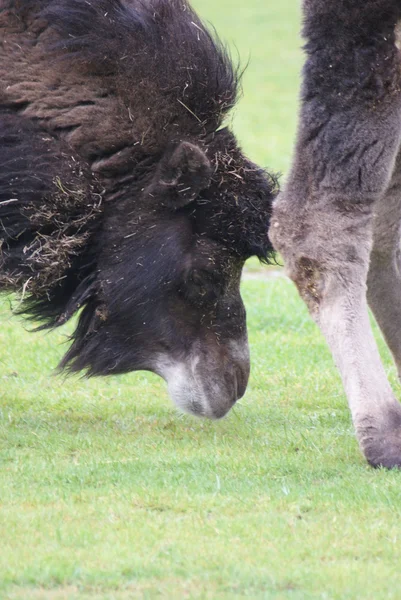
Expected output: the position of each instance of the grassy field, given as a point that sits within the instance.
(106, 493)
(266, 35)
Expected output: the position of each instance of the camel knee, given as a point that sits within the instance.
(320, 255)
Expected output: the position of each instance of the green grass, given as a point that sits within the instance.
(267, 34)
(107, 493)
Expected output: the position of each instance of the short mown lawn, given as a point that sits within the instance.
(107, 493)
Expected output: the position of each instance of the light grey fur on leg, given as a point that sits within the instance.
(324, 231)
(384, 278)
(335, 292)
(324, 222)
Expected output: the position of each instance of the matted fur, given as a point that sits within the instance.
(122, 191)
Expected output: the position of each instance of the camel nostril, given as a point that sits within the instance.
(241, 382)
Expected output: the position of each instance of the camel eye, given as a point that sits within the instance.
(201, 287)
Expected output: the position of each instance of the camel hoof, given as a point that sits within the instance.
(382, 447)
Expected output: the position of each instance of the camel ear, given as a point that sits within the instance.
(181, 176)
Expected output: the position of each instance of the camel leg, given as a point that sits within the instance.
(348, 139)
(384, 277)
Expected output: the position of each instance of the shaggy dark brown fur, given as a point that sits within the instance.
(121, 190)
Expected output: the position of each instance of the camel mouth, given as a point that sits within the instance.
(203, 390)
